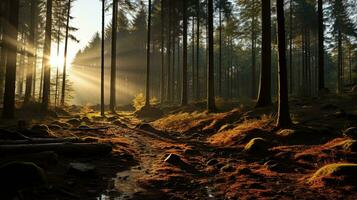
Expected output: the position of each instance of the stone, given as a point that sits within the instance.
(81, 169)
(176, 160)
(351, 133)
(347, 171)
(40, 128)
(257, 146)
(228, 168)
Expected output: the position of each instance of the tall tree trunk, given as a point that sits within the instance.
(211, 106)
(197, 94)
(32, 50)
(113, 58)
(291, 47)
(64, 74)
(193, 58)
(264, 96)
(184, 56)
(162, 79)
(10, 44)
(169, 52)
(102, 103)
(57, 67)
(321, 46)
(147, 96)
(284, 120)
(350, 64)
(253, 95)
(46, 59)
(339, 62)
(220, 52)
(3, 15)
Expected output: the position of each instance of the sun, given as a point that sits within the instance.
(55, 60)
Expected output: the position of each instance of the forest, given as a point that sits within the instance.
(178, 99)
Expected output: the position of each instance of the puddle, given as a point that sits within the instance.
(124, 186)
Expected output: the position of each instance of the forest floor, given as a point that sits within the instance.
(190, 154)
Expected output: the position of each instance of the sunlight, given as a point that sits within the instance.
(55, 61)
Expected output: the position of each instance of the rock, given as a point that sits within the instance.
(257, 146)
(146, 127)
(351, 133)
(54, 127)
(212, 162)
(86, 120)
(16, 176)
(345, 172)
(176, 160)
(277, 167)
(173, 159)
(228, 168)
(74, 122)
(39, 130)
(81, 169)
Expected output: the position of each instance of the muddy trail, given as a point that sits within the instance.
(167, 167)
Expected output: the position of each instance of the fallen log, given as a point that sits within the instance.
(68, 149)
(42, 140)
(39, 158)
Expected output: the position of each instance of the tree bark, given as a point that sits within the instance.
(321, 53)
(253, 94)
(211, 106)
(32, 50)
(148, 54)
(102, 103)
(264, 96)
(10, 44)
(198, 50)
(184, 56)
(113, 58)
(284, 120)
(64, 74)
(162, 80)
(339, 62)
(46, 59)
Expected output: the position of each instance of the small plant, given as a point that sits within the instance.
(139, 101)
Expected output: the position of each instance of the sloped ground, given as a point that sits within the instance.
(189, 154)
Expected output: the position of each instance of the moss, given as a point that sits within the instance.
(257, 145)
(337, 169)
